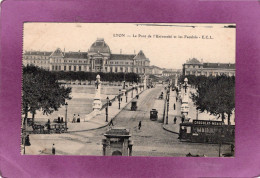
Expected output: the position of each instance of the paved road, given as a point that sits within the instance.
(150, 140)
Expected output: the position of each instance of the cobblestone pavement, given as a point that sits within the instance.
(150, 140)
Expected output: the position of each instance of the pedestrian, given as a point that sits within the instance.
(78, 120)
(111, 122)
(53, 149)
(232, 148)
(175, 119)
(174, 106)
(185, 130)
(140, 125)
(182, 119)
(59, 119)
(176, 98)
(27, 141)
(74, 118)
(49, 125)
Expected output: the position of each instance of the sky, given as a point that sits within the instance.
(166, 45)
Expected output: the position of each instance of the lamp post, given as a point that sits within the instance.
(185, 84)
(107, 109)
(66, 107)
(119, 99)
(221, 137)
(167, 99)
(126, 97)
(132, 91)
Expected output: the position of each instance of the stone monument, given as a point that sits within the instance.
(97, 104)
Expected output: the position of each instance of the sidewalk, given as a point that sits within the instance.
(171, 127)
(99, 121)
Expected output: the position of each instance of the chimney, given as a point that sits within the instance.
(120, 51)
(201, 60)
(134, 51)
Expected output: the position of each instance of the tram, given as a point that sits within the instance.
(206, 131)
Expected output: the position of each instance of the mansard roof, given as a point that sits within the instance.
(57, 53)
(193, 61)
(219, 65)
(140, 55)
(99, 46)
(122, 56)
(79, 55)
(38, 53)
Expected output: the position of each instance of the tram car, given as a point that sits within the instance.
(134, 105)
(154, 115)
(206, 131)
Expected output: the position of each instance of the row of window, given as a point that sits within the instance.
(37, 62)
(36, 57)
(209, 73)
(86, 68)
(193, 66)
(59, 60)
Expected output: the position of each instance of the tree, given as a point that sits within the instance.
(41, 91)
(216, 95)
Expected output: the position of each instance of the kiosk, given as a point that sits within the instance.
(117, 142)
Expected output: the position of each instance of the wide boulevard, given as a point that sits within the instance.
(150, 140)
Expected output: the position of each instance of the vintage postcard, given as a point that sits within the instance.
(128, 89)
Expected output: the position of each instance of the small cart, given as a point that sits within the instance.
(154, 115)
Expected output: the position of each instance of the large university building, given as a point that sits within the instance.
(98, 59)
(195, 67)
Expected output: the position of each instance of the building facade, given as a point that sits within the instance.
(197, 68)
(171, 72)
(98, 59)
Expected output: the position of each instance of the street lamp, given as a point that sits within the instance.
(126, 97)
(185, 84)
(132, 91)
(119, 99)
(66, 107)
(197, 116)
(167, 107)
(107, 109)
(221, 137)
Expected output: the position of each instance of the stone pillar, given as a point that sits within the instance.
(144, 82)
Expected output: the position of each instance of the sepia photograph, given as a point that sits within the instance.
(128, 89)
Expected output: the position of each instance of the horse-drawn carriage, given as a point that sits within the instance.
(48, 128)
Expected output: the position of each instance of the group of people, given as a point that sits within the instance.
(60, 119)
(75, 118)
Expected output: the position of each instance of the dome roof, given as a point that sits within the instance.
(99, 47)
